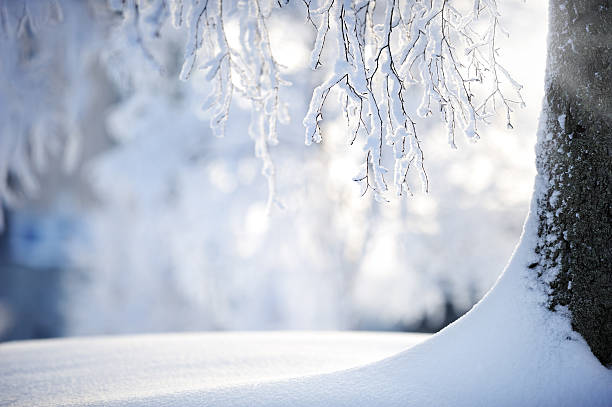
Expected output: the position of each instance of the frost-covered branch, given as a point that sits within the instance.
(380, 54)
(247, 68)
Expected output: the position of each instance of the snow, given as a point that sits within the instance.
(142, 370)
(554, 198)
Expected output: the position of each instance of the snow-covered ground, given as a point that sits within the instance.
(142, 370)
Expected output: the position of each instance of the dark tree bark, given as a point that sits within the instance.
(574, 163)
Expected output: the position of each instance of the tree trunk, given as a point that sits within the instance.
(574, 167)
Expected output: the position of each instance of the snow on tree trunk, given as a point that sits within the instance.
(574, 165)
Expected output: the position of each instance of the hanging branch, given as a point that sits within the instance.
(380, 55)
(250, 70)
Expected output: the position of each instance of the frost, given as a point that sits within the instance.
(554, 197)
(561, 120)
